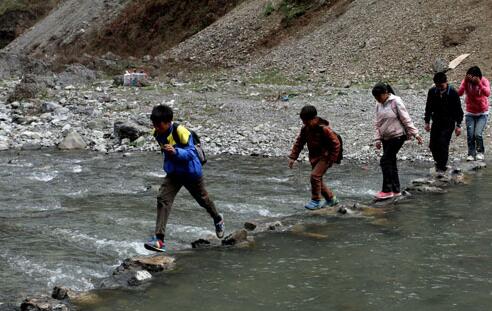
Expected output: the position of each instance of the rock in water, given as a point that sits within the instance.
(238, 238)
(43, 304)
(72, 141)
(151, 264)
(130, 130)
(250, 226)
(139, 277)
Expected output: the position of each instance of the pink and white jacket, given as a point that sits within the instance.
(387, 123)
(476, 100)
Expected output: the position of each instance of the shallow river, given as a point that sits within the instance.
(70, 218)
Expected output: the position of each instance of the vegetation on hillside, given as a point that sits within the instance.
(152, 26)
(18, 15)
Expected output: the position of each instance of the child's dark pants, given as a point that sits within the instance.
(168, 191)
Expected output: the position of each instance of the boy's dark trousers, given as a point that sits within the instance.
(439, 144)
(391, 181)
(168, 191)
(318, 188)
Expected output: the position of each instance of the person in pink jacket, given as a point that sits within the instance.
(393, 127)
(477, 90)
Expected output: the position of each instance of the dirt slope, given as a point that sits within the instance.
(348, 40)
(16, 16)
(74, 21)
(152, 26)
(337, 41)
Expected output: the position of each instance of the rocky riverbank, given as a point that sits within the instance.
(232, 116)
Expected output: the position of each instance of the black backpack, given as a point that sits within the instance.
(196, 141)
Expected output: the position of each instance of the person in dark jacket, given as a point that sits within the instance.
(443, 115)
(324, 149)
(183, 168)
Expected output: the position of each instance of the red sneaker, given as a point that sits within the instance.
(396, 194)
(384, 195)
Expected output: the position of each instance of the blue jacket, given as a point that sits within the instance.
(185, 163)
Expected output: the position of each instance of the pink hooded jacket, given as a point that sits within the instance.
(476, 96)
(387, 124)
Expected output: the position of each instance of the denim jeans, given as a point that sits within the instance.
(474, 133)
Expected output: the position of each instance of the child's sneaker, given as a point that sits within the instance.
(313, 204)
(383, 195)
(331, 202)
(396, 194)
(479, 157)
(155, 244)
(220, 227)
(470, 158)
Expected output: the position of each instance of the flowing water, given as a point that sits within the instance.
(70, 218)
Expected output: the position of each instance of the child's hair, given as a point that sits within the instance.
(382, 88)
(475, 71)
(440, 77)
(161, 113)
(308, 112)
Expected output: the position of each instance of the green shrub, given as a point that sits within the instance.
(269, 9)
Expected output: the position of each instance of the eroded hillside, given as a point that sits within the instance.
(347, 41)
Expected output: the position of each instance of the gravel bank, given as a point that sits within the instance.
(230, 116)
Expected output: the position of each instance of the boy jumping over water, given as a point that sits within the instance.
(183, 168)
(324, 149)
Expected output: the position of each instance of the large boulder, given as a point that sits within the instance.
(75, 75)
(72, 141)
(149, 263)
(25, 91)
(129, 129)
(238, 238)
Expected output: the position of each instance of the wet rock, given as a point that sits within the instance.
(342, 210)
(129, 130)
(425, 188)
(139, 277)
(473, 166)
(72, 141)
(135, 271)
(237, 238)
(43, 304)
(250, 226)
(202, 243)
(273, 226)
(156, 263)
(63, 293)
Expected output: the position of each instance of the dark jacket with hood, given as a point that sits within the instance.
(321, 140)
